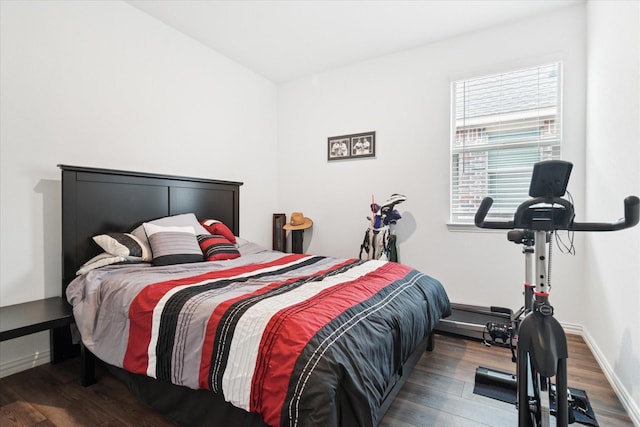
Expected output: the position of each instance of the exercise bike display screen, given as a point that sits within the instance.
(550, 178)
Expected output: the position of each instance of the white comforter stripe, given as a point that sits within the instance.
(155, 327)
(159, 308)
(243, 352)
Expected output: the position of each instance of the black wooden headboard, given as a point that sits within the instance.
(96, 201)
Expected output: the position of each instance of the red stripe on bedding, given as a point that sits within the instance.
(221, 309)
(290, 330)
(136, 358)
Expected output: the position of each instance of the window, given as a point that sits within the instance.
(503, 124)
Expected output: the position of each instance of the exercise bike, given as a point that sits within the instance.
(541, 342)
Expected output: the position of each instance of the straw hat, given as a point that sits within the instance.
(298, 222)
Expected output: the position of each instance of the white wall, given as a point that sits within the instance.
(612, 285)
(102, 84)
(405, 98)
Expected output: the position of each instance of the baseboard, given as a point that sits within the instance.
(23, 363)
(623, 395)
(572, 328)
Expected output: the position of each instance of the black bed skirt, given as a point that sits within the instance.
(185, 406)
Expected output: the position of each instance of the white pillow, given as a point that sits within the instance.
(124, 245)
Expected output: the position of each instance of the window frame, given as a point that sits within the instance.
(542, 130)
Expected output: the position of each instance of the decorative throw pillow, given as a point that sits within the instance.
(99, 261)
(217, 248)
(216, 227)
(181, 220)
(172, 245)
(124, 245)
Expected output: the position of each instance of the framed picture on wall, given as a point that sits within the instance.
(351, 146)
(279, 233)
(363, 145)
(339, 147)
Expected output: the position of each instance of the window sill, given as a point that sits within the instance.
(469, 228)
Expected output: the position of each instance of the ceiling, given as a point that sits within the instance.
(284, 40)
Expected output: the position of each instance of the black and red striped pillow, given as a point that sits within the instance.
(217, 248)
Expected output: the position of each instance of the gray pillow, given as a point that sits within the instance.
(173, 245)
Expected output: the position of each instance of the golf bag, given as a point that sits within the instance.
(375, 244)
(379, 242)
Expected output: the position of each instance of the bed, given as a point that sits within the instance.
(254, 338)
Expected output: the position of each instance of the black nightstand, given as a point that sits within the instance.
(27, 318)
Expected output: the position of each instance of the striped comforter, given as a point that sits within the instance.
(291, 337)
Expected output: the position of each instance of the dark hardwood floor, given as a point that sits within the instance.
(438, 393)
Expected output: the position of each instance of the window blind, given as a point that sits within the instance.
(503, 124)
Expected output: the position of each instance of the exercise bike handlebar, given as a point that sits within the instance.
(481, 214)
(631, 216)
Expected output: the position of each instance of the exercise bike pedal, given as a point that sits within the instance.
(496, 378)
